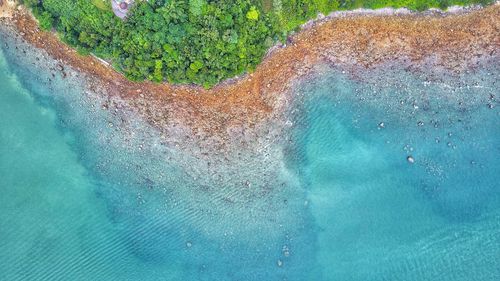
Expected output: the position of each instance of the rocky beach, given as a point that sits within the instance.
(253, 112)
(353, 41)
(366, 134)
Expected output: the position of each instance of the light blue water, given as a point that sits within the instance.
(382, 218)
(89, 194)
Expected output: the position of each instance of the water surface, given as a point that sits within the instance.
(89, 194)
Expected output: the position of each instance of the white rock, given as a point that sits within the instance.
(410, 159)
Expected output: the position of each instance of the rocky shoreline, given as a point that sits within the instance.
(234, 111)
(233, 143)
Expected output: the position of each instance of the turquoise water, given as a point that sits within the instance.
(92, 194)
(382, 218)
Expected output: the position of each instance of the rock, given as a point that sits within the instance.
(286, 251)
(410, 159)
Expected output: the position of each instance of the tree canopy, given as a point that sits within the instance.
(192, 41)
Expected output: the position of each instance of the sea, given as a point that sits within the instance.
(385, 174)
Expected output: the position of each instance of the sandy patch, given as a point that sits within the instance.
(7, 8)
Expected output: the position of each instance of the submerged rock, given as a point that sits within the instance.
(410, 159)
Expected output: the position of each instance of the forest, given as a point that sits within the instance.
(192, 41)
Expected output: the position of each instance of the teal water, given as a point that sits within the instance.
(89, 194)
(382, 218)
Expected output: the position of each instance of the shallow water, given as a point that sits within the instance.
(92, 194)
(381, 217)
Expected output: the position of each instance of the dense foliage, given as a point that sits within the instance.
(192, 41)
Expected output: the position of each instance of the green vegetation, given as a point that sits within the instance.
(192, 41)
(292, 13)
(102, 4)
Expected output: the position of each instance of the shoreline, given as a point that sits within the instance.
(7, 8)
(354, 41)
